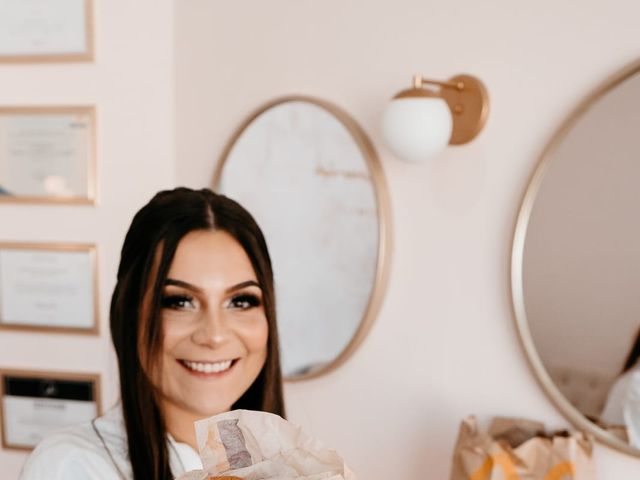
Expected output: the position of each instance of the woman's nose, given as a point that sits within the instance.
(212, 330)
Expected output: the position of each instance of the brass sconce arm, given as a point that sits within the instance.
(419, 82)
(468, 101)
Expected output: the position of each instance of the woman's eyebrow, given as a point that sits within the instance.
(240, 286)
(189, 286)
(180, 283)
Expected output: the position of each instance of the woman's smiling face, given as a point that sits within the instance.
(215, 329)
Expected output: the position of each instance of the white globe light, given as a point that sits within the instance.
(414, 128)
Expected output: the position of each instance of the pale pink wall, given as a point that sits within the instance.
(444, 344)
(131, 85)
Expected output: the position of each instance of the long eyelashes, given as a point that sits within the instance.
(245, 301)
(176, 302)
(242, 301)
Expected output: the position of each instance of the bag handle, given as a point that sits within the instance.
(560, 470)
(509, 471)
(501, 459)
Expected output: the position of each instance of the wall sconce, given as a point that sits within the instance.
(419, 122)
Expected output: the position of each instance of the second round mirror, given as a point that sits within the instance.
(576, 265)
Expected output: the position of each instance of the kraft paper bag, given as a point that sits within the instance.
(519, 449)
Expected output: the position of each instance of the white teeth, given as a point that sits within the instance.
(208, 367)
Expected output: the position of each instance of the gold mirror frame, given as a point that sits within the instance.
(383, 209)
(517, 291)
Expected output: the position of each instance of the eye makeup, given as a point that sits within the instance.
(177, 301)
(245, 301)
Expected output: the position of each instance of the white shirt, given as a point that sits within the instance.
(623, 404)
(77, 453)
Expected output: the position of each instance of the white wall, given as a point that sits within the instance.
(131, 84)
(444, 344)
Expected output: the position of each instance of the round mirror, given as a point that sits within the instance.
(576, 265)
(312, 180)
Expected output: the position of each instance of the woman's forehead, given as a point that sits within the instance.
(210, 257)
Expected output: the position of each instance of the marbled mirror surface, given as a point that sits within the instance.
(307, 180)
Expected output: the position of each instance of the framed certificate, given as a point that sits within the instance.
(47, 154)
(48, 288)
(35, 403)
(46, 30)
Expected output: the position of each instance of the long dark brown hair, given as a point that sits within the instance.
(147, 253)
(633, 355)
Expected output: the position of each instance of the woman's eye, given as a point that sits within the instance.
(177, 302)
(244, 301)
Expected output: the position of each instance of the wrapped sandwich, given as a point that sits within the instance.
(248, 445)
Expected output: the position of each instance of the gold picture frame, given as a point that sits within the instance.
(20, 265)
(48, 155)
(42, 387)
(38, 35)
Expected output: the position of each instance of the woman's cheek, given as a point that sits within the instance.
(254, 333)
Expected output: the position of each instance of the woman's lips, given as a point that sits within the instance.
(208, 369)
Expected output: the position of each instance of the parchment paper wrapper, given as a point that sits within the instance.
(520, 449)
(259, 446)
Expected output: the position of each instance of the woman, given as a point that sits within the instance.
(194, 329)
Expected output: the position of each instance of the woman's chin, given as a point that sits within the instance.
(205, 411)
